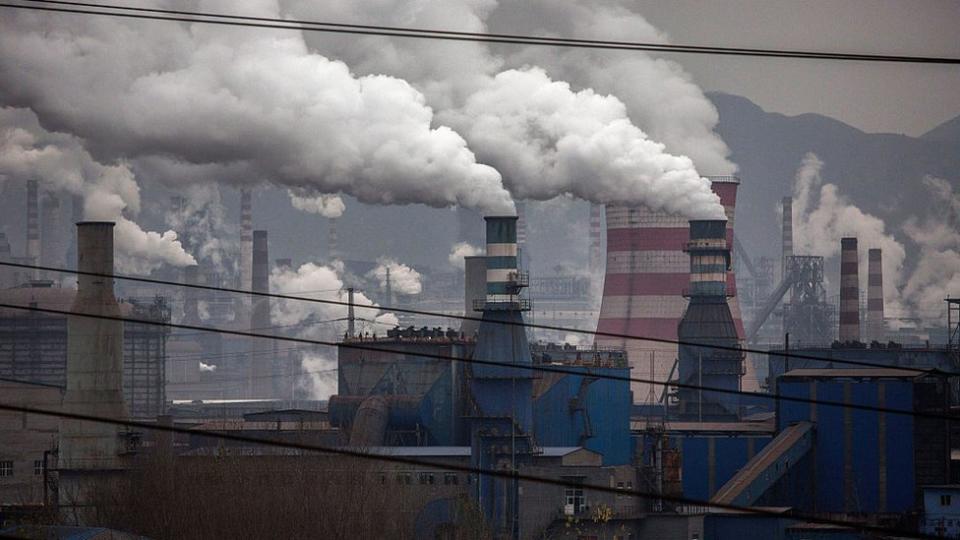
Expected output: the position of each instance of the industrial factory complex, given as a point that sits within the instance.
(697, 406)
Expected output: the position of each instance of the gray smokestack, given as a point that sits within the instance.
(333, 245)
(849, 291)
(6, 273)
(876, 328)
(191, 312)
(33, 226)
(246, 239)
(94, 361)
(261, 361)
(474, 291)
(52, 248)
(787, 233)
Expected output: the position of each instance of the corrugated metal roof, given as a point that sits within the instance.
(853, 373)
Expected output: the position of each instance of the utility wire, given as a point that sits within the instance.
(521, 324)
(509, 475)
(448, 35)
(527, 367)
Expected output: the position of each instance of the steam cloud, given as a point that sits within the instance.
(461, 250)
(328, 206)
(937, 274)
(110, 192)
(204, 229)
(403, 279)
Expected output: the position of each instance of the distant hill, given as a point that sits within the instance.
(879, 172)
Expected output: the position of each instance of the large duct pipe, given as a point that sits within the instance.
(94, 358)
(787, 233)
(33, 225)
(849, 291)
(647, 273)
(261, 361)
(246, 239)
(474, 291)
(876, 327)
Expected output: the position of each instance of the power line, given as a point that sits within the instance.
(449, 35)
(521, 324)
(528, 367)
(509, 475)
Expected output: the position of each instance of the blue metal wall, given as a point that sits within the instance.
(578, 410)
(847, 451)
(702, 475)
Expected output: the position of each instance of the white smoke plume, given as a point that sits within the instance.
(822, 216)
(937, 273)
(260, 105)
(549, 140)
(461, 250)
(328, 206)
(208, 368)
(110, 192)
(203, 227)
(403, 279)
(319, 369)
(316, 320)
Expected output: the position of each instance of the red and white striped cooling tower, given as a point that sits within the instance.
(647, 273)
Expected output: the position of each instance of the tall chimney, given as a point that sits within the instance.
(787, 233)
(246, 239)
(351, 317)
(52, 247)
(33, 226)
(849, 291)
(876, 328)
(596, 237)
(522, 252)
(261, 361)
(6, 272)
(474, 291)
(94, 361)
(191, 311)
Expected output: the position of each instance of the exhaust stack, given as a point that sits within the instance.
(33, 226)
(849, 291)
(787, 234)
(261, 359)
(876, 328)
(474, 291)
(246, 239)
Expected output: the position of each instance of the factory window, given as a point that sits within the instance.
(619, 485)
(404, 478)
(450, 479)
(945, 500)
(426, 478)
(573, 498)
(6, 468)
(38, 467)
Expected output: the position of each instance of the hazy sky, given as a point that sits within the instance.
(899, 98)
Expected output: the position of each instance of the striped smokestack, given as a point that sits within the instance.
(261, 361)
(787, 232)
(501, 259)
(849, 291)
(246, 239)
(876, 329)
(647, 273)
(33, 225)
(596, 237)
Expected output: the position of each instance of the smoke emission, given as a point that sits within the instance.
(203, 228)
(328, 206)
(403, 279)
(110, 192)
(461, 250)
(937, 274)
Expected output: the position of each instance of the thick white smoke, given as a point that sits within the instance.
(403, 279)
(254, 101)
(110, 192)
(549, 140)
(937, 274)
(204, 228)
(328, 206)
(319, 368)
(461, 250)
(822, 216)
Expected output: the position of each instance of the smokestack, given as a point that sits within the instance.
(94, 363)
(246, 239)
(849, 291)
(51, 248)
(596, 238)
(33, 226)
(787, 233)
(6, 273)
(388, 293)
(522, 253)
(191, 311)
(708, 321)
(351, 318)
(474, 291)
(261, 361)
(876, 328)
(647, 274)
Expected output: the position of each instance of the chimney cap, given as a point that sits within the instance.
(849, 241)
(488, 218)
(95, 223)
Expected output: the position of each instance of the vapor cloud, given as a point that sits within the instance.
(110, 193)
(937, 274)
(328, 206)
(461, 250)
(403, 279)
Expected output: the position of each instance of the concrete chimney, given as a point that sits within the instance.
(52, 247)
(6, 273)
(474, 291)
(33, 226)
(333, 243)
(246, 239)
(191, 311)
(876, 328)
(596, 238)
(94, 363)
(849, 291)
(261, 361)
(787, 233)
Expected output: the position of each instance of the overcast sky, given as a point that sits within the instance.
(899, 98)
